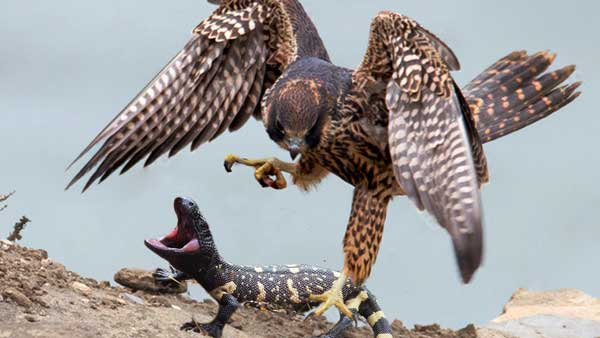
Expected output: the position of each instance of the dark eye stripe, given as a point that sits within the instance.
(314, 134)
(275, 134)
(279, 127)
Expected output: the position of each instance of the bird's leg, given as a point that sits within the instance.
(265, 169)
(331, 297)
(345, 322)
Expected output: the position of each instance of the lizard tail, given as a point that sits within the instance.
(370, 310)
(516, 91)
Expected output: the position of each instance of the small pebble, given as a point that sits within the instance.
(131, 298)
(175, 307)
(31, 319)
(160, 301)
(82, 288)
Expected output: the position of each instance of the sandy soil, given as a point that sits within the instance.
(40, 298)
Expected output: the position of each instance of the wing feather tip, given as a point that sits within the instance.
(87, 186)
(69, 185)
(469, 254)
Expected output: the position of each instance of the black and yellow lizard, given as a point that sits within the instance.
(191, 250)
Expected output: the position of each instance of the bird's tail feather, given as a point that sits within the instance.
(516, 91)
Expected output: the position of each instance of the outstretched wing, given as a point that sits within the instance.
(517, 91)
(435, 149)
(215, 83)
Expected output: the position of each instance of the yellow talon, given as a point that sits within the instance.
(230, 160)
(265, 169)
(331, 297)
(263, 176)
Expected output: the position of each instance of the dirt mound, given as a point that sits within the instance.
(41, 298)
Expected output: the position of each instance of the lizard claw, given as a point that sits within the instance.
(208, 329)
(166, 278)
(309, 316)
(163, 276)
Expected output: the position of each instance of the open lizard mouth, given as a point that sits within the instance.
(181, 240)
(177, 241)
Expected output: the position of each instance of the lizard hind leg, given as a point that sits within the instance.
(227, 306)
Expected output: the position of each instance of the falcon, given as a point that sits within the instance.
(397, 125)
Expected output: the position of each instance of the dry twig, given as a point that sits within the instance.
(19, 226)
(4, 198)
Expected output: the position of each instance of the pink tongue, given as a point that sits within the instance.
(192, 246)
(156, 243)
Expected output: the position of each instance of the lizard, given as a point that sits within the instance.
(193, 255)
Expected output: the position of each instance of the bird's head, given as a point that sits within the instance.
(297, 112)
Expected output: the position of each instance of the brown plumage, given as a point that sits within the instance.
(397, 125)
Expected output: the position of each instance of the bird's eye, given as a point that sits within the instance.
(314, 134)
(276, 131)
(315, 128)
(279, 127)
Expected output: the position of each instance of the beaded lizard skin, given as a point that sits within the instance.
(190, 249)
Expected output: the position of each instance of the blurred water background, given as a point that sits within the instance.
(67, 67)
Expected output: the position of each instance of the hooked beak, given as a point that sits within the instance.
(294, 152)
(295, 147)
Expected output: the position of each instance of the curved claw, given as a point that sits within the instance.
(209, 329)
(161, 275)
(190, 326)
(268, 172)
(327, 301)
(166, 278)
(264, 173)
(229, 161)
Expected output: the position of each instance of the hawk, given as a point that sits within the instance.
(396, 125)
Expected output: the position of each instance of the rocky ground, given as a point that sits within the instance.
(40, 298)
